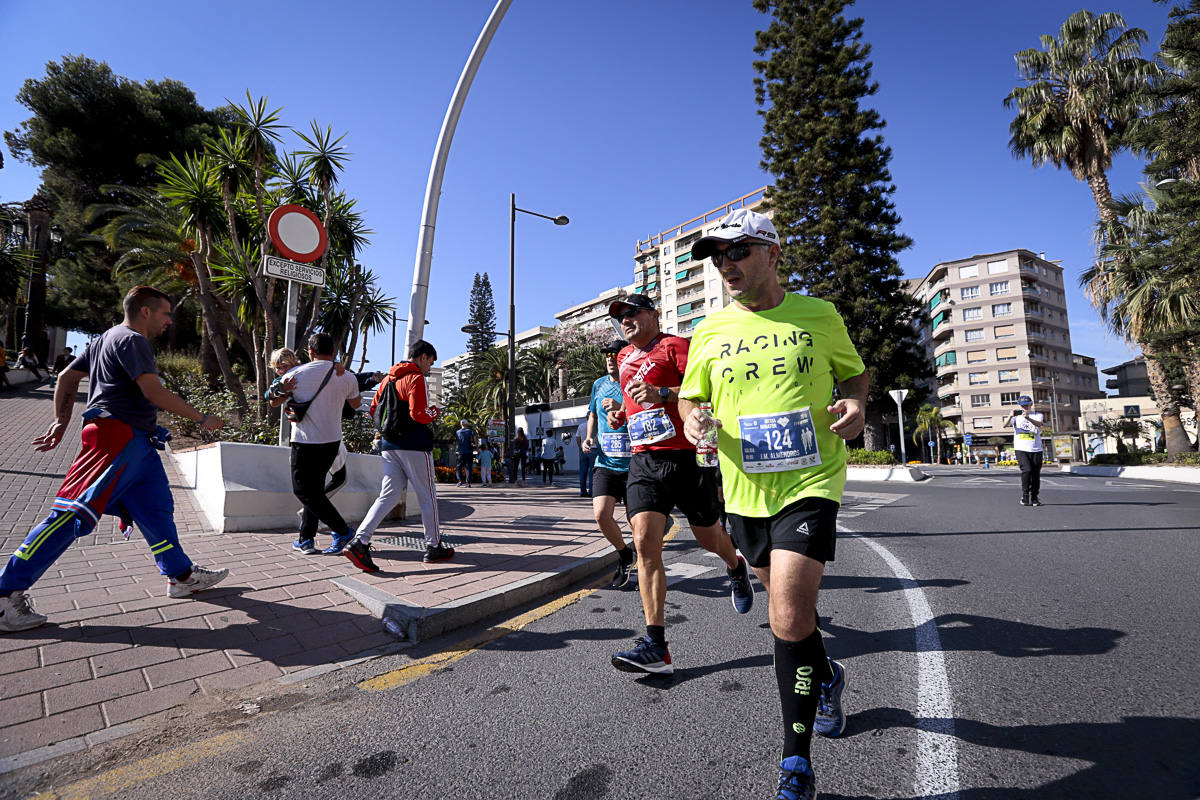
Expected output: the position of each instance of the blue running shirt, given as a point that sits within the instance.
(602, 388)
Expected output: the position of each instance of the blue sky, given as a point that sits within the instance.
(629, 117)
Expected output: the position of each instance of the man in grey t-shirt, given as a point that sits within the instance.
(118, 470)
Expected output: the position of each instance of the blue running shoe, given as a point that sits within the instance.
(740, 588)
(796, 780)
(646, 656)
(339, 543)
(306, 546)
(830, 721)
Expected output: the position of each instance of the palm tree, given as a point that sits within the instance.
(324, 159)
(542, 363)
(1081, 92)
(930, 423)
(1144, 296)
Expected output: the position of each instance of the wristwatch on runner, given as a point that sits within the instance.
(664, 393)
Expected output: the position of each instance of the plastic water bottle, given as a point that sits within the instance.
(394, 627)
(706, 448)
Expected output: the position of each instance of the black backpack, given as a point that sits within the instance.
(391, 418)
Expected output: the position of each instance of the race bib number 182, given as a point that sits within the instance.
(650, 427)
(779, 442)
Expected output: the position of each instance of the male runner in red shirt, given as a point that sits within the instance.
(663, 474)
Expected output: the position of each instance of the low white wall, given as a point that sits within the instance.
(1148, 473)
(18, 375)
(905, 474)
(248, 487)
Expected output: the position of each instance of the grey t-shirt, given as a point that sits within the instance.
(113, 364)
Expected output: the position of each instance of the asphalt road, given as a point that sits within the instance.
(994, 651)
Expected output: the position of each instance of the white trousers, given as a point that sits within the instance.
(485, 474)
(400, 469)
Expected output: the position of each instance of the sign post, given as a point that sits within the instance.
(298, 234)
(898, 395)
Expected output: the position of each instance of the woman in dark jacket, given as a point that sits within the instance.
(520, 455)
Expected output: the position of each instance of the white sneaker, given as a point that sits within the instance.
(17, 614)
(200, 580)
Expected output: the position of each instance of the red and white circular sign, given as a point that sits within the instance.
(297, 233)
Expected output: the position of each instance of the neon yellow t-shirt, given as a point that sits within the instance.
(760, 370)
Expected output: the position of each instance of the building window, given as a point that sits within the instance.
(999, 287)
(1006, 354)
(666, 250)
(1009, 398)
(981, 422)
(996, 267)
(974, 335)
(981, 400)
(1004, 331)
(976, 356)
(668, 314)
(1008, 376)
(969, 292)
(977, 378)
(970, 271)
(1001, 309)
(972, 313)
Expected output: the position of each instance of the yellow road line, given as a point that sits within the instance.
(432, 663)
(122, 778)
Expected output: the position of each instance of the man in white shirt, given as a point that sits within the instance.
(316, 439)
(1027, 441)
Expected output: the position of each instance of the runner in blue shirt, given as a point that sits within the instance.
(612, 461)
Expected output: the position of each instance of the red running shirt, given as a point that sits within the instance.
(663, 364)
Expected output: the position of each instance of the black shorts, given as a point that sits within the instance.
(807, 527)
(609, 483)
(660, 480)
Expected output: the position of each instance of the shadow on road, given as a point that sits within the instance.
(977, 532)
(527, 641)
(971, 633)
(879, 584)
(1142, 756)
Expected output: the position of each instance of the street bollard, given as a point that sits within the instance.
(986, 465)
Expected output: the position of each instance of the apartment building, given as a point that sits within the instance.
(686, 291)
(998, 329)
(452, 367)
(593, 313)
(1129, 379)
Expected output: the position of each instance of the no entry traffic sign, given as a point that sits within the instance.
(297, 233)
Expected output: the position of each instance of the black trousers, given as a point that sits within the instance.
(463, 471)
(1031, 472)
(310, 465)
(336, 481)
(547, 470)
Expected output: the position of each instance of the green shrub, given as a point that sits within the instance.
(1188, 459)
(221, 403)
(1130, 459)
(358, 433)
(174, 368)
(869, 457)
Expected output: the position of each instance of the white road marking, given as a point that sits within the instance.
(985, 480)
(680, 570)
(937, 745)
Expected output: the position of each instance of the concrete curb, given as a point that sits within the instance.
(426, 623)
(880, 474)
(1172, 474)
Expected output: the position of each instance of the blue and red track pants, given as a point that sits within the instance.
(118, 470)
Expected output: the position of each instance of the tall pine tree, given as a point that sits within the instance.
(832, 193)
(481, 313)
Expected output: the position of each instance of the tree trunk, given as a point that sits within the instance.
(1191, 368)
(873, 433)
(1177, 438)
(1102, 194)
(207, 303)
(209, 367)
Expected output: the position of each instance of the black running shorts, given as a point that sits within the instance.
(660, 480)
(608, 482)
(807, 527)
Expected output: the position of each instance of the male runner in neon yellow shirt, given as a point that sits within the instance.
(769, 363)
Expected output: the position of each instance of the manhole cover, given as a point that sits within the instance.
(417, 541)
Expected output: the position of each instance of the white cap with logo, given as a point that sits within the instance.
(741, 225)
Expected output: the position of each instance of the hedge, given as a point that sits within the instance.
(1139, 459)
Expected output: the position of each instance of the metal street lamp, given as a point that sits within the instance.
(510, 415)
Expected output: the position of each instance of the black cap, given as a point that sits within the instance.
(632, 301)
(615, 346)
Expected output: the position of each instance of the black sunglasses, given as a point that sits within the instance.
(629, 313)
(735, 252)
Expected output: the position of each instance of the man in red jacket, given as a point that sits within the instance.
(407, 452)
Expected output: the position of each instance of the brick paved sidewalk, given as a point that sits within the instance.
(117, 648)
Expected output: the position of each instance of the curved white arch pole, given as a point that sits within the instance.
(433, 189)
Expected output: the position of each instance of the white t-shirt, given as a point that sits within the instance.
(323, 422)
(549, 451)
(581, 433)
(1027, 437)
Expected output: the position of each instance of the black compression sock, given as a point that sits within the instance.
(626, 555)
(798, 667)
(657, 633)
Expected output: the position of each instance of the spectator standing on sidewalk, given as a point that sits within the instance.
(485, 466)
(587, 460)
(317, 438)
(549, 455)
(520, 450)
(466, 452)
(401, 410)
(117, 469)
(1027, 441)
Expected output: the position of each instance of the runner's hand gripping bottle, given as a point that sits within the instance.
(706, 448)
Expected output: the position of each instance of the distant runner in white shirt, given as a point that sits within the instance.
(1027, 441)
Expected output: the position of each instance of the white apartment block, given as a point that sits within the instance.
(685, 291)
(997, 330)
(593, 314)
(453, 365)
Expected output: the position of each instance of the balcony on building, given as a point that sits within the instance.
(941, 325)
(949, 405)
(945, 362)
